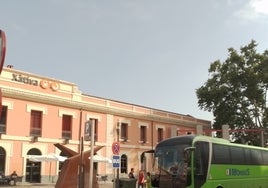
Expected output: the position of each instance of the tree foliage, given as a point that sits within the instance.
(236, 93)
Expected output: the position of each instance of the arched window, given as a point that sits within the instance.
(2, 160)
(34, 151)
(123, 163)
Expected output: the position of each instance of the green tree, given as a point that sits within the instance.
(236, 93)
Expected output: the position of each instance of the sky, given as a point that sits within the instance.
(152, 53)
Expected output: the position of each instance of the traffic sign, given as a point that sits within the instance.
(116, 161)
(116, 148)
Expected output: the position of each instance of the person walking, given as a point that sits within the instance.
(141, 179)
(131, 174)
(148, 180)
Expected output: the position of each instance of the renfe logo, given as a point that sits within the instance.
(237, 172)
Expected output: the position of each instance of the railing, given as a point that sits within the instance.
(66, 134)
(35, 132)
(3, 128)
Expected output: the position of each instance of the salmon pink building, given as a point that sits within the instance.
(38, 112)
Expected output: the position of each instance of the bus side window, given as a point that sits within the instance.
(198, 161)
(220, 154)
(201, 157)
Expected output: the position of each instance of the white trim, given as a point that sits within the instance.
(27, 146)
(160, 127)
(125, 121)
(67, 112)
(174, 131)
(92, 116)
(8, 147)
(143, 124)
(9, 104)
(43, 148)
(30, 107)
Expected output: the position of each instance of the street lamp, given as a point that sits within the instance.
(117, 170)
(92, 140)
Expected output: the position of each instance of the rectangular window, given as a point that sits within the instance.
(248, 159)
(256, 157)
(67, 126)
(124, 131)
(3, 120)
(160, 133)
(237, 155)
(265, 157)
(220, 154)
(143, 133)
(36, 123)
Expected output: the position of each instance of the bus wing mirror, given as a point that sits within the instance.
(143, 154)
(189, 149)
(186, 153)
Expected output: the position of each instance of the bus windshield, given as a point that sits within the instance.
(169, 158)
(172, 166)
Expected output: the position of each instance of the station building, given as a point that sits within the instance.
(38, 112)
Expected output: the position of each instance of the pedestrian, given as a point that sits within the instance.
(148, 180)
(13, 177)
(131, 174)
(141, 179)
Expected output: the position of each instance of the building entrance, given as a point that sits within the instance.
(2, 160)
(33, 169)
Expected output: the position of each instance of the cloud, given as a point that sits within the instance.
(254, 10)
(260, 6)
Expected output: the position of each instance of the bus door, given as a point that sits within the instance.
(201, 163)
(186, 170)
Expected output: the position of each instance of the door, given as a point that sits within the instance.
(33, 169)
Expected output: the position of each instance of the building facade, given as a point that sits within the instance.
(38, 112)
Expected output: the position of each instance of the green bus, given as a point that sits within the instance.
(201, 161)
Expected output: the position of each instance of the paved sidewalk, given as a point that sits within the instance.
(106, 185)
(38, 185)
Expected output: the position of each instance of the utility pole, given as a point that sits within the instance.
(117, 170)
(81, 150)
(92, 140)
(81, 166)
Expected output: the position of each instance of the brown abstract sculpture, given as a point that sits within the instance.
(71, 169)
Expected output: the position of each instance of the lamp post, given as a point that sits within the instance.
(117, 170)
(81, 150)
(92, 140)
